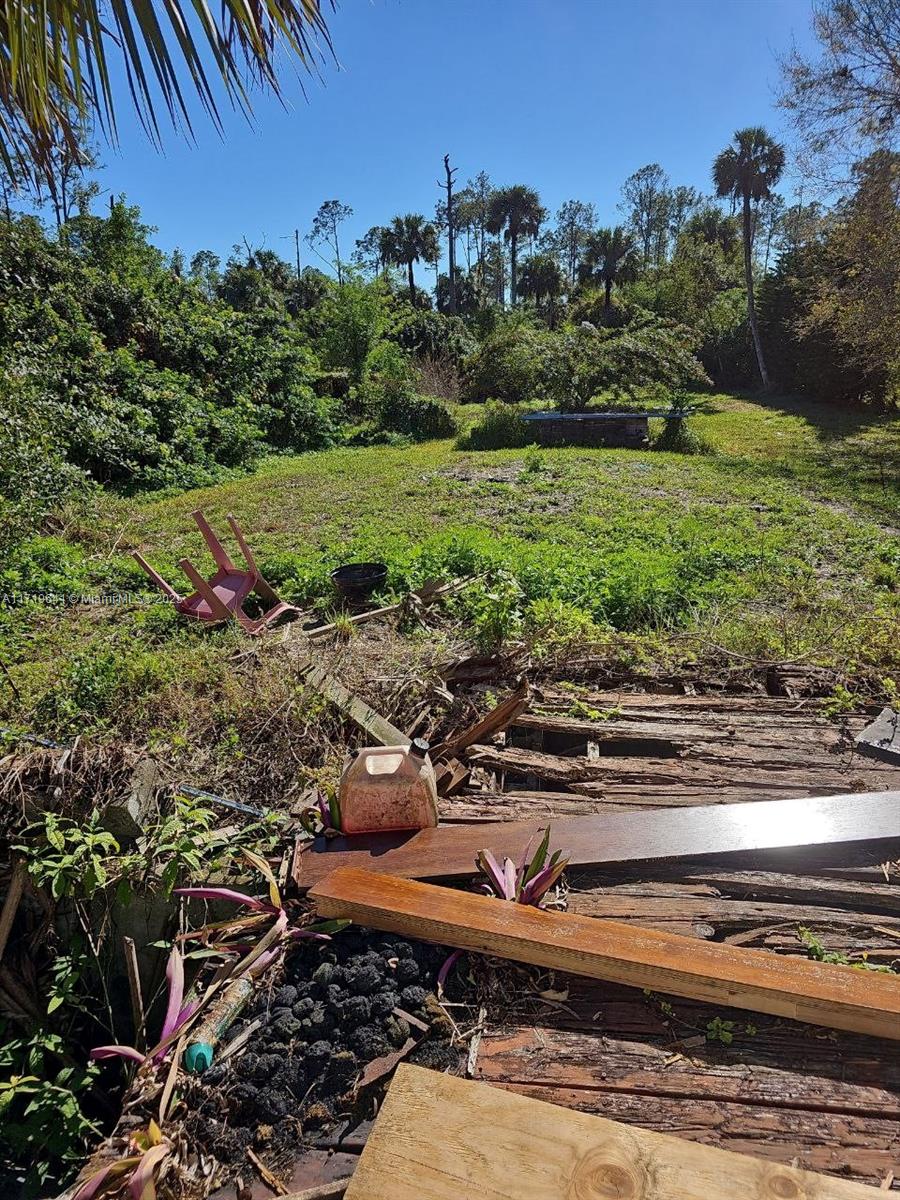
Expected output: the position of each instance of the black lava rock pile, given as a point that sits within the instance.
(331, 1015)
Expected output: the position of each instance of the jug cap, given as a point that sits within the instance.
(419, 747)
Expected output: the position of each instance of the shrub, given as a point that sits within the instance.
(427, 334)
(353, 318)
(498, 426)
(678, 436)
(508, 365)
(398, 408)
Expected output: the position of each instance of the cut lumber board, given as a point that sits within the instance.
(836, 997)
(369, 721)
(449, 851)
(439, 1138)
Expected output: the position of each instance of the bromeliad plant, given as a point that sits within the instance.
(525, 882)
(323, 817)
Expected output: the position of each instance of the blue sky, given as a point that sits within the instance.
(569, 96)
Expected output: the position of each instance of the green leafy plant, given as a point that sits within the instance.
(719, 1030)
(494, 609)
(42, 1119)
(72, 858)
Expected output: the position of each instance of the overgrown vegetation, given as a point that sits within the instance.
(349, 416)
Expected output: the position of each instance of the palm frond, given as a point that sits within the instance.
(55, 59)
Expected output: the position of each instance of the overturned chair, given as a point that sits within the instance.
(222, 597)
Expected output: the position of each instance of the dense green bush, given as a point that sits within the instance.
(114, 369)
(508, 364)
(427, 334)
(567, 368)
(499, 425)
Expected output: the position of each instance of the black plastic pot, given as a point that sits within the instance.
(357, 581)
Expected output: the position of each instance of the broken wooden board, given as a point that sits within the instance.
(637, 749)
(881, 739)
(449, 851)
(500, 716)
(817, 993)
(374, 724)
(439, 1138)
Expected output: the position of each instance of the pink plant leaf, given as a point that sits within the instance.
(266, 959)
(539, 859)
(526, 855)
(446, 968)
(217, 893)
(142, 1186)
(486, 863)
(175, 979)
(97, 1183)
(537, 888)
(510, 884)
(100, 1052)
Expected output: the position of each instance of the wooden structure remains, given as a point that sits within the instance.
(440, 1138)
(627, 430)
(449, 851)
(758, 1084)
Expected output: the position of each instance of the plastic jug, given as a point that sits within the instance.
(388, 787)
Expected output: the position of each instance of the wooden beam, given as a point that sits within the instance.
(449, 851)
(376, 726)
(441, 1138)
(818, 993)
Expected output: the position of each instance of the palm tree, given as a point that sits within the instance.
(747, 171)
(56, 63)
(412, 238)
(541, 276)
(610, 258)
(516, 212)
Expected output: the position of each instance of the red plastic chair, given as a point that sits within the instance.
(221, 598)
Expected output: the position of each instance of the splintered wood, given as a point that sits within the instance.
(449, 851)
(814, 992)
(441, 1138)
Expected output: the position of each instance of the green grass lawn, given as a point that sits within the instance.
(782, 544)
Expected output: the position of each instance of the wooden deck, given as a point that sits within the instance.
(824, 1101)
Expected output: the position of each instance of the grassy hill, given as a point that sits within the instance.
(781, 544)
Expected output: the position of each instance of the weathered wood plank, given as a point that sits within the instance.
(721, 915)
(379, 728)
(752, 1071)
(720, 774)
(449, 851)
(437, 1138)
(818, 993)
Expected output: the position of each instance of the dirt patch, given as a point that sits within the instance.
(509, 473)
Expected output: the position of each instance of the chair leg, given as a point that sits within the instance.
(218, 610)
(241, 541)
(215, 546)
(164, 587)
